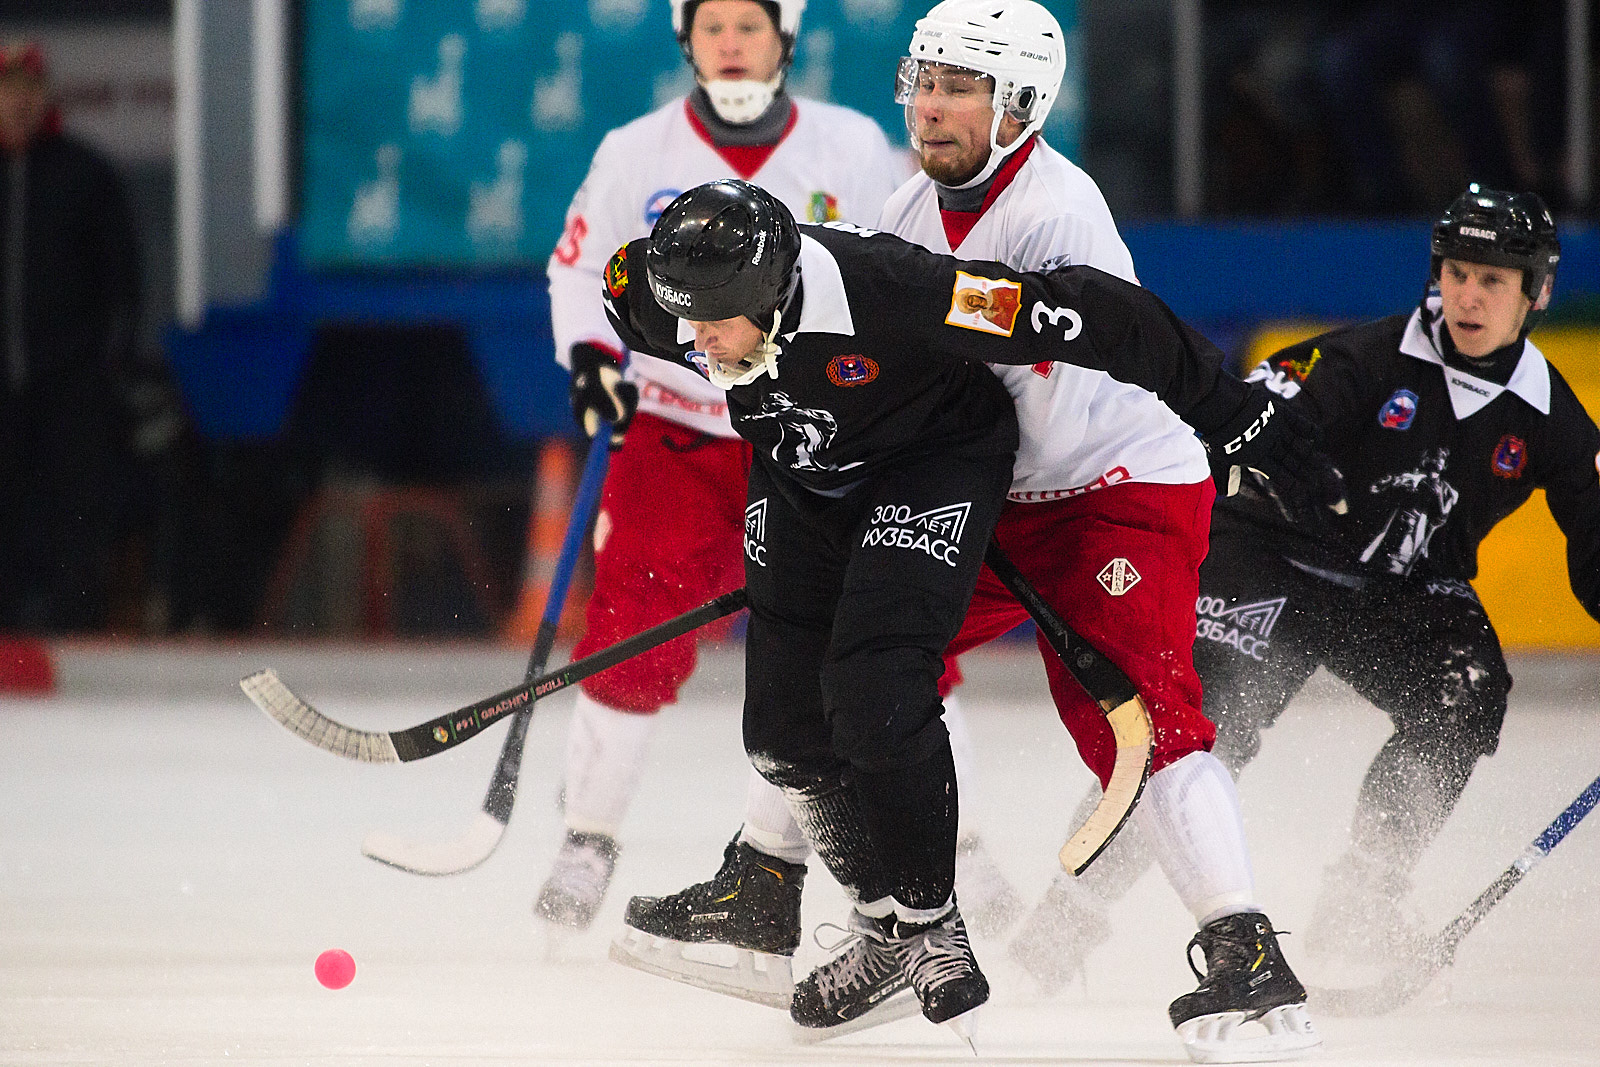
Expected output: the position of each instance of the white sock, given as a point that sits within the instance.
(605, 758)
(769, 824)
(1190, 813)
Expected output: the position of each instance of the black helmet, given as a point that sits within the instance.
(724, 249)
(1500, 229)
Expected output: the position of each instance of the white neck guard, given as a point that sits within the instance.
(744, 101)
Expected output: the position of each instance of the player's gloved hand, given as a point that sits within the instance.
(1281, 451)
(599, 393)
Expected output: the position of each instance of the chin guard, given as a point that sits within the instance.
(742, 102)
(763, 359)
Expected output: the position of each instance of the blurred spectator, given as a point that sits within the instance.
(1424, 95)
(1267, 149)
(69, 296)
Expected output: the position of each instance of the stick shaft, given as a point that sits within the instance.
(501, 795)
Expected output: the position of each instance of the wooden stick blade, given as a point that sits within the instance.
(1130, 725)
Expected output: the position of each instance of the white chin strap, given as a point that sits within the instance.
(763, 359)
(742, 102)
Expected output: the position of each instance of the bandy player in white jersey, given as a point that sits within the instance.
(1110, 515)
(669, 533)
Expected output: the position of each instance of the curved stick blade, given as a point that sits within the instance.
(295, 715)
(438, 858)
(1130, 725)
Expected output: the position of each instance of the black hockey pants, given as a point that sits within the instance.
(1422, 650)
(852, 602)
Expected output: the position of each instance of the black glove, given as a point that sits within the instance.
(1281, 450)
(598, 392)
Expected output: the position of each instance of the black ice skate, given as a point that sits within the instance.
(578, 880)
(938, 960)
(1246, 981)
(863, 986)
(735, 934)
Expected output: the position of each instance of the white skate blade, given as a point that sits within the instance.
(902, 1005)
(965, 1026)
(727, 969)
(1284, 1033)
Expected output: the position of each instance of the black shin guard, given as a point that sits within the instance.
(912, 814)
(829, 813)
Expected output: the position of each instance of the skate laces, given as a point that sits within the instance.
(1232, 949)
(863, 962)
(938, 954)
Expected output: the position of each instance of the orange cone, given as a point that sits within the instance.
(547, 526)
(26, 667)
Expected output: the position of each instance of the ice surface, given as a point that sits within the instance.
(172, 862)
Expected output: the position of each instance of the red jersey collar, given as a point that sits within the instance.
(744, 159)
(957, 224)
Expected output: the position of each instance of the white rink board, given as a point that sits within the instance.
(171, 863)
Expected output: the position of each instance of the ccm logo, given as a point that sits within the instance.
(673, 296)
(1250, 431)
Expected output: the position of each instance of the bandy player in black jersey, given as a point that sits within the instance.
(883, 449)
(1443, 422)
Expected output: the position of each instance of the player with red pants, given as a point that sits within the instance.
(1130, 536)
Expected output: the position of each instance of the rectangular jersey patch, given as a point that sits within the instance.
(987, 304)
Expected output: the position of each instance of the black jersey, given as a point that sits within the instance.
(1433, 457)
(882, 361)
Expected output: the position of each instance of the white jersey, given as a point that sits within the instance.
(1081, 429)
(832, 163)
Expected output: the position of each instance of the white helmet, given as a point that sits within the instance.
(740, 102)
(788, 17)
(1016, 42)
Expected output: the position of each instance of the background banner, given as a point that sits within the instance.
(453, 133)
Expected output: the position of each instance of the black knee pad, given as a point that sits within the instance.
(884, 708)
(1461, 709)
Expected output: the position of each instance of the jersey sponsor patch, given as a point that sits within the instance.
(936, 532)
(1398, 411)
(1510, 456)
(852, 370)
(1118, 576)
(822, 207)
(755, 532)
(987, 304)
(1245, 627)
(617, 273)
(657, 203)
